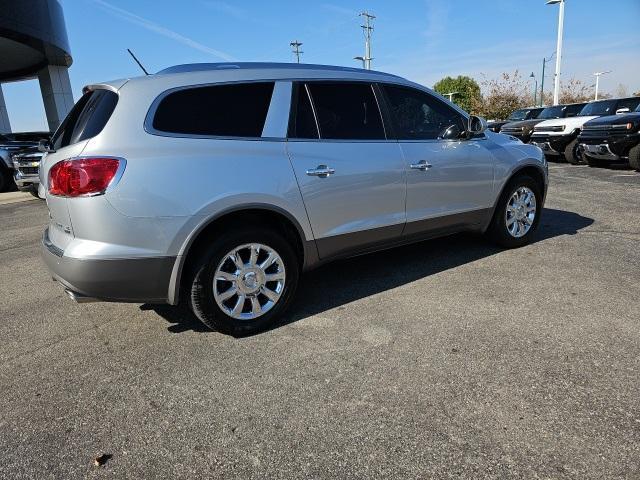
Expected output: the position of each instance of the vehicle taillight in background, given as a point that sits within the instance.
(83, 176)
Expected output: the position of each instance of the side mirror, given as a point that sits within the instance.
(622, 110)
(45, 146)
(476, 125)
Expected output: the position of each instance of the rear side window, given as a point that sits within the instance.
(86, 119)
(346, 111)
(236, 110)
(420, 116)
(302, 123)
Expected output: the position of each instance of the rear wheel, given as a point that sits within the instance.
(244, 281)
(634, 158)
(517, 213)
(572, 153)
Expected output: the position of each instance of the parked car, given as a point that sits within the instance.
(26, 171)
(216, 185)
(523, 129)
(612, 139)
(11, 143)
(559, 138)
(518, 115)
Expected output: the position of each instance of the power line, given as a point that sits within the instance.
(295, 45)
(367, 28)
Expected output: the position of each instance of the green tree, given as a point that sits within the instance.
(467, 91)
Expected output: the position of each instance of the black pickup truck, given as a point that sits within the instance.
(521, 114)
(615, 138)
(523, 129)
(14, 143)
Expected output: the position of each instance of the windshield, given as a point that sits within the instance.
(605, 107)
(552, 112)
(518, 115)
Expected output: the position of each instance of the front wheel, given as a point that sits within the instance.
(517, 213)
(244, 281)
(634, 158)
(572, 153)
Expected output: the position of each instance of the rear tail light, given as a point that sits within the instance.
(83, 176)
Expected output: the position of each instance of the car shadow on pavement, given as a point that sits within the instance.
(347, 280)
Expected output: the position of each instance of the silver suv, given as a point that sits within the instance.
(216, 185)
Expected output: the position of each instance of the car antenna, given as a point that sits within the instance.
(138, 62)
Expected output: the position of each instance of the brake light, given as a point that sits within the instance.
(82, 176)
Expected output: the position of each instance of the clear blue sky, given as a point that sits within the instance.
(423, 40)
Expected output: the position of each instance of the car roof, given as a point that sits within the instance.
(307, 68)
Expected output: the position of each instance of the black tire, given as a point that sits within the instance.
(5, 179)
(199, 289)
(497, 230)
(572, 153)
(34, 193)
(634, 158)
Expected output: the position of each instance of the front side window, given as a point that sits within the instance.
(346, 111)
(233, 110)
(420, 116)
(606, 107)
(630, 103)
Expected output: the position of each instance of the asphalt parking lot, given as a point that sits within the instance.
(445, 359)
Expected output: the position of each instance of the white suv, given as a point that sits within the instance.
(559, 137)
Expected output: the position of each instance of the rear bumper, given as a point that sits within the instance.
(137, 280)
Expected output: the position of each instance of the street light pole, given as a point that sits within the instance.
(597, 75)
(535, 89)
(544, 64)
(450, 95)
(556, 81)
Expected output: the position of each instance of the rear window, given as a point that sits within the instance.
(86, 119)
(236, 110)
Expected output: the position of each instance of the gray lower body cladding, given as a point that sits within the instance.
(122, 280)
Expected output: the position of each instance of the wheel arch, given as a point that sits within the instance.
(263, 214)
(534, 171)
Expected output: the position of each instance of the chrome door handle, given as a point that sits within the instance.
(321, 171)
(421, 165)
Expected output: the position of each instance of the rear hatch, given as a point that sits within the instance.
(85, 120)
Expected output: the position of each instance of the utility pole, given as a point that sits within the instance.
(597, 75)
(367, 28)
(295, 45)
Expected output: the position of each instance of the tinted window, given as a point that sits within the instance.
(553, 112)
(518, 115)
(418, 115)
(606, 107)
(630, 103)
(347, 111)
(86, 119)
(302, 123)
(237, 110)
(573, 110)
